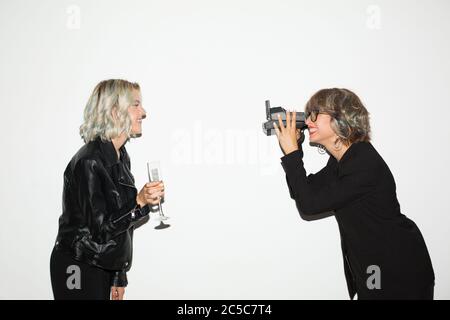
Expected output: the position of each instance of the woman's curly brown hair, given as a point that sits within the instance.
(350, 119)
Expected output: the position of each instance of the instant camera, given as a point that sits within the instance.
(272, 116)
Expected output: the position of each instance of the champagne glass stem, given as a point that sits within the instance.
(161, 214)
(159, 208)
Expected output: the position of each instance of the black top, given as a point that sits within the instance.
(360, 191)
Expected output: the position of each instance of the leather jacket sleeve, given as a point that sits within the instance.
(119, 279)
(88, 178)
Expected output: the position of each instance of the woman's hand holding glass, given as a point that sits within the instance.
(151, 193)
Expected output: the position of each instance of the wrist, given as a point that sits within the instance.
(290, 151)
(140, 202)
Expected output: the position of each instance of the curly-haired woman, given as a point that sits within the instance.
(101, 205)
(385, 256)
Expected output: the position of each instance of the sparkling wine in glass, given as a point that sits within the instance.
(154, 175)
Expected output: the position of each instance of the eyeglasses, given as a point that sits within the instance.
(313, 114)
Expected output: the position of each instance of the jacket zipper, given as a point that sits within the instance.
(130, 212)
(126, 184)
(123, 216)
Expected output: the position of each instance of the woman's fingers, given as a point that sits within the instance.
(155, 195)
(277, 131)
(153, 190)
(291, 123)
(154, 198)
(294, 120)
(280, 123)
(153, 184)
(288, 120)
(287, 135)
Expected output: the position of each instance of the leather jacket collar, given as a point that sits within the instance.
(109, 154)
(119, 168)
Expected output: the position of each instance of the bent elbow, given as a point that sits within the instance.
(308, 214)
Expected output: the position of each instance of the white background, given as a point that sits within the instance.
(206, 68)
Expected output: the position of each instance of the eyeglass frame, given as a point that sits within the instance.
(314, 112)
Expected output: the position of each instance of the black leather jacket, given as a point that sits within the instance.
(100, 210)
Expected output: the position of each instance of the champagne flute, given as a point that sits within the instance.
(154, 175)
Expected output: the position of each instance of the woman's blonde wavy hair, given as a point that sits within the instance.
(350, 119)
(108, 95)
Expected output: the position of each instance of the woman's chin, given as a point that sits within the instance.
(136, 134)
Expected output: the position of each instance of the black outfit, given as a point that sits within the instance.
(360, 190)
(95, 283)
(99, 215)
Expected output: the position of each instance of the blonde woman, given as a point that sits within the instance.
(384, 253)
(101, 205)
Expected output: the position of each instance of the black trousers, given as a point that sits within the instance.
(75, 280)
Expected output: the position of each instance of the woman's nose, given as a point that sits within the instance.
(308, 121)
(144, 113)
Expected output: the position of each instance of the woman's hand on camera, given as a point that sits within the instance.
(151, 193)
(287, 136)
